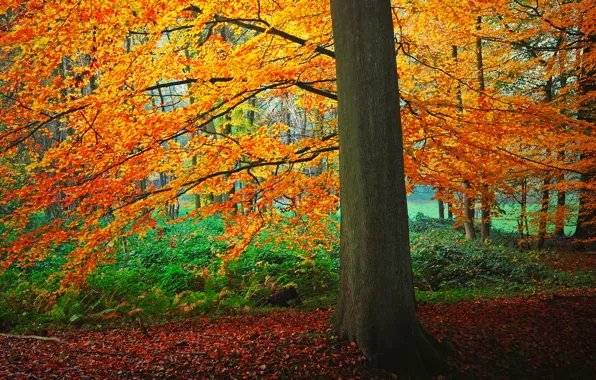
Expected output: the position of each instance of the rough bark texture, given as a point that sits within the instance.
(586, 221)
(376, 306)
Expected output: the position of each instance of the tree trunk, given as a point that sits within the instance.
(586, 219)
(469, 213)
(543, 218)
(376, 306)
(441, 210)
(561, 212)
(196, 195)
(468, 203)
(543, 213)
(485, 216)
(485, 211)
(522, 222)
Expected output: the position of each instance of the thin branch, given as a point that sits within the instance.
(35, 337)
(39, 126)
(244, 23)
(314, 90)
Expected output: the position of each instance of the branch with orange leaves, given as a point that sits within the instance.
(305, 154)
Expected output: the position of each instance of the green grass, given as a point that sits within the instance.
(506, 221)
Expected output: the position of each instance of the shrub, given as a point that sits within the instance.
(443, 259)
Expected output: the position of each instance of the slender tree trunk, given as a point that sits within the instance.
(561, 212)
(469, 213)
(468, 203)
(543, 213)
(191, 100)
(196, 195)
(485, 217)
(542, 225)
(210, 128)
(376, 305)
(485, 204)
(440, 203)
(523, 217)
(228, 132)
(449, 210)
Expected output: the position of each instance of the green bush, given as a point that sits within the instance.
(443, 259)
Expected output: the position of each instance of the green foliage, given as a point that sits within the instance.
(172, 271)
(443, 260)
(176, 271)
(423, 223)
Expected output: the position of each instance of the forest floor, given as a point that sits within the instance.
(542, 336)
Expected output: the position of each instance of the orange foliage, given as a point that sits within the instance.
(234, 101)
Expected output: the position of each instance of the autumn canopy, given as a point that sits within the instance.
(114, 111)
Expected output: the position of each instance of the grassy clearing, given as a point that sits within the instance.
(506, 221)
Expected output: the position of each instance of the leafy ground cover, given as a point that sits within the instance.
(523, 338)
(175, 272)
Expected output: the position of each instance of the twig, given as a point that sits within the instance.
(50, 339)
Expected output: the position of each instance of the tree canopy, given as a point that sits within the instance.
(113, 111)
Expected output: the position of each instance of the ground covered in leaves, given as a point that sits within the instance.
(536, 337)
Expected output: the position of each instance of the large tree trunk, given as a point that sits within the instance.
(376, 306)
(586, 219)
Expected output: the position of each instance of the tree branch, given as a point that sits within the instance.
(270, 30)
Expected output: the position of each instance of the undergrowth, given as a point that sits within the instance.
(175, 272)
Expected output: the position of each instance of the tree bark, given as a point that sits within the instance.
(522, 222)
(586, 219)
(561, 212)
(468, 204)
(485, 216)
(543, 213)
(376, 306)
(469, 213)
(485, 211)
